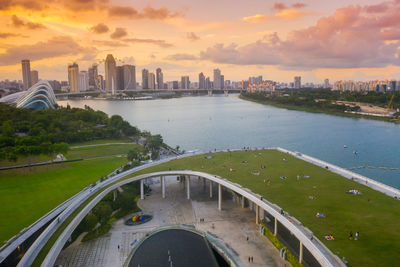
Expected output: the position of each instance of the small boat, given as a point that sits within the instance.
(352, 168)
(382, 168)
(355, 152)
(344, 146)
(393, 169)
(371, 167)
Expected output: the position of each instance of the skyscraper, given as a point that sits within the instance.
(326, 83)
(217, 79)
(145, 79)
(93, 73)
(160, 79)
(202, 81)
(26, 73)
(73, 78)
(152, 81)
(111, 74)
(83, 81)
(34, 76)
(297, 82)
(129, 77)
(185, 82)
(120, 78)
(222, 82)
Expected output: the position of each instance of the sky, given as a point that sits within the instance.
(315, 39)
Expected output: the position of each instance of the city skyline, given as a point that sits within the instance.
(272, 39)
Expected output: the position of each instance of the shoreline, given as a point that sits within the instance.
(306, 109)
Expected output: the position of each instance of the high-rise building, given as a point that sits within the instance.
(160, 79)
(111, 74)
(297, 82)
(129, 77)
(185, 82)
(83, 81)
(152, 80)
(145, 79)
(93, 73)
(73, 78)
(202, 81)
(120, 78)
(100, 82)
(222, 82)
(26, 73)
(34, 76)
(207, 83)
(326, 83)
(217, 79)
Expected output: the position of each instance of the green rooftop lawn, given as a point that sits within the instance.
(374, 215)
(28, 194)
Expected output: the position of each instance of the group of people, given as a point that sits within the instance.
(251, 259)
(356, 235)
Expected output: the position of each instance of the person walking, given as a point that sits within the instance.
(351, 235)
(356, 235)
(249, 258)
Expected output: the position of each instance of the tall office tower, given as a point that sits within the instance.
(185, 82)
(34, 76)
(73, 78)
(83, 81)
(297, 82)
(207, 83)
(129, 77)
(100, 82)
(111, 74)
(26, 73)
(326, 83)
(120, 78)
(160, 79)
(152, 80)
(93, 73)
(202, 81)
(217, 79)
(145, 79)
(222, 82)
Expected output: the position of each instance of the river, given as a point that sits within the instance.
(205, 123)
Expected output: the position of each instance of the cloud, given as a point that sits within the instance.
(192, 36)
(176, 57)
(17, 22)
(257, 18)
(291, 14)
(147, 13)
(119, 33)
(160, 43)
(99, 28)
(298, 5)
(353, 37)
(54, 47)
(5, 35)
(108, 43)
(34, 5)
(279, 6)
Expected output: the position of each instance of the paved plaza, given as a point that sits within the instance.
(230, 227)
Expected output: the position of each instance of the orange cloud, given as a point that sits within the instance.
(291, 14)
(257, 18)
(99, 28)
(119, 33)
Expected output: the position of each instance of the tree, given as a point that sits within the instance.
(154, 142)
(133, 154)
(7, 129)
(103, 212)
(89, 222)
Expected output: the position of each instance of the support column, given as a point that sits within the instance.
(219, 197)
(188, 187)
(276, 227)
(242, 202)
(141, 189)
(114, 194)
(257, 215)
(261, 213)
(163, 186)
(204, 184)
(301, 252)
(211, 188)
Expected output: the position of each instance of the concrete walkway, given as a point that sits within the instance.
(231, 226)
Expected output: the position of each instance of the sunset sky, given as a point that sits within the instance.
(342, 39)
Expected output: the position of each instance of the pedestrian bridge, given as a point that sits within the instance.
(319, 252)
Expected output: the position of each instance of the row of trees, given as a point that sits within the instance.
(26, 132)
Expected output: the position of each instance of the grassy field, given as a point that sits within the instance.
(102, 141)
(27, 194)
(374, 215)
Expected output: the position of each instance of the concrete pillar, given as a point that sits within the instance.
(141, 189)
(276, 227)
(163, 186)
(301, 252)
(257, 215)
(261, 213)
(242, 202)
(114, 194)
(188, 187)
(211, 188)
(219, 197)
(204, 184)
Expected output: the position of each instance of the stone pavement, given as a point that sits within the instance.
(231, 226)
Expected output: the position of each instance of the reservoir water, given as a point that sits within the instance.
(205, 123)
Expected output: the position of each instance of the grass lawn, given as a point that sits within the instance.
(102, 141)
(26, 195)
(373, 214)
